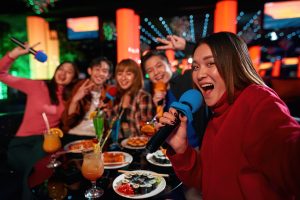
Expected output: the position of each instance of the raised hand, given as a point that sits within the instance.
(83, 90)
(172, 42)
(18, 51)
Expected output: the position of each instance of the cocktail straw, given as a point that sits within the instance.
(110, 129)
(46, 121)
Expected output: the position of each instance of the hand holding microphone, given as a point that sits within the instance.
(38, 55)
(188, 103)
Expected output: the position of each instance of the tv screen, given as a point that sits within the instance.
(281, 15)
(83, 28)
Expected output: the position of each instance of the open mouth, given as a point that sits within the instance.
(207, 87)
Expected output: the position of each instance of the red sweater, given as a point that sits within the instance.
(251, 150)
(38, 101)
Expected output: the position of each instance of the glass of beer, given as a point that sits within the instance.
(92, 169)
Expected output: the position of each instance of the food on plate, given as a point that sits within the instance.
(113, 157)
(82, 145)
(160, 157)
(138, 183)
(148, 129)
(137, 141)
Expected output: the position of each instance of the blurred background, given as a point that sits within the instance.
(80, 30)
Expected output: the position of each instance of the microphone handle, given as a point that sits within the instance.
(159, 138)
(21, 44)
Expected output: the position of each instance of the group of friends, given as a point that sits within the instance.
(242, 144)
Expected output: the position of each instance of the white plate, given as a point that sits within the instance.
(67, 146)
(150, 159)
(124, 144)
(161, 186)
(128, 159)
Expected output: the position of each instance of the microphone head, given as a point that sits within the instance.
(41, 56)
(189, 102)
(110, 94)
(112, 91)
(193, 98)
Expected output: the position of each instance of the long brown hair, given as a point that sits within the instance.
(133, 67)
(233, 62)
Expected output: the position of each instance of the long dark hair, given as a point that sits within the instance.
(233, 62)
(52, 85)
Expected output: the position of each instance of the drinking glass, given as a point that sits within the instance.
(52, 144)
(92, 168)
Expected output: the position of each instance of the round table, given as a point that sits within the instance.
(67, 180)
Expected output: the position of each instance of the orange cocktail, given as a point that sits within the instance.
(92, 168)
(52, 142)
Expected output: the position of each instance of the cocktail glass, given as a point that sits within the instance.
(51, 145)
(92, 168)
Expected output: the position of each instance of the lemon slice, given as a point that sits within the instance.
(93, 114)
(57, 131)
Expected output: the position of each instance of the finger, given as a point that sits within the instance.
(176, 37)
(164, 41)
(87, 87)
(85, 83)
(173, 41)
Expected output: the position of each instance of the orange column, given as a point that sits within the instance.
(136, 39)
(225, 16)
(53, 52)
(276, 68)
(125, 30)
(37, 29)
(298, 68)
(254, 52)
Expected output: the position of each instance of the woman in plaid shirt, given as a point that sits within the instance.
(132, 98)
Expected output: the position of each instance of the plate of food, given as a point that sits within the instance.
(116, 159)
(79, 146)
(139, 184)
(135, 142)
(159, 158)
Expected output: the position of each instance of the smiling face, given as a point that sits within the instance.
(158, 69)
(125, 79)
(206, 75)
(64, 74)
(99, 74)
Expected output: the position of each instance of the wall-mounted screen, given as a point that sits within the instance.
(83, 28)
(281, 15)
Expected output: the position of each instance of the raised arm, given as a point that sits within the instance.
(22, 84)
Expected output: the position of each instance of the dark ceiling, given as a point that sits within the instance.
(72, 8)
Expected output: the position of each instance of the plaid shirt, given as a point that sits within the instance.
(140, 110)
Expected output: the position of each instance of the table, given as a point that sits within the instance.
(67, 178)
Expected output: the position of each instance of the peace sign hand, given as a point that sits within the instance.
(83, 90)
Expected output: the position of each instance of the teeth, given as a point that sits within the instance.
(207, 86)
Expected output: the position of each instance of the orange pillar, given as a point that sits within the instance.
(37, 29)
(125, 33)
(276, 68)
(298, 68)
(225, 16)
(254, 52)
(53, 52)
(136, 39)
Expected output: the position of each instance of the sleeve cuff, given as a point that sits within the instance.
(182, 161)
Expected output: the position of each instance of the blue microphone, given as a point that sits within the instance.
(189, 103)
(38, 55)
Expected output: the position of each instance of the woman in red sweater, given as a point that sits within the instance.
(251, 145)
(42, 96)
